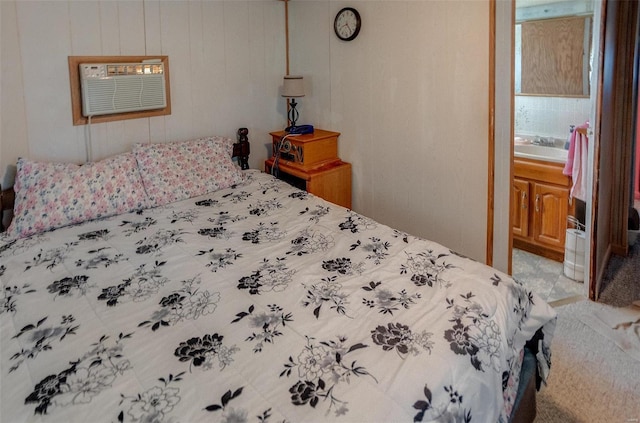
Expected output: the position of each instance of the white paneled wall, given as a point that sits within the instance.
(13, 125)
(226, 61)
(410, 97)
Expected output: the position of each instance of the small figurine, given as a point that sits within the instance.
(244, 147)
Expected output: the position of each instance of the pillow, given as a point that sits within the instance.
(52, 195)
(183, 169)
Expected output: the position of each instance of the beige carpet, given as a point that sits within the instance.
(592, 379)
(619, 324)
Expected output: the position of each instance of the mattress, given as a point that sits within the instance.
(259, 302)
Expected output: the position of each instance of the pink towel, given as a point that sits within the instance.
(579, 165)
(568, 167)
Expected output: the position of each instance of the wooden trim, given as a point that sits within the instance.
(541, 171)
(620, 250)
(286, 36)
(76, 97)
(538, 250)
(596, 270)
(593, 292)
(491, 168)
(286, 52)
(623, 129)
(512, 132)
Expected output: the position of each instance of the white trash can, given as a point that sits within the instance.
(574, 254)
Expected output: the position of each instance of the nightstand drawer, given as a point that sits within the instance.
(331, 180)
(306, 151)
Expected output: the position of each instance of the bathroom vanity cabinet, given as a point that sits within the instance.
(540, 207)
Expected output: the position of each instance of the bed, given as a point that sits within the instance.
(147, 293)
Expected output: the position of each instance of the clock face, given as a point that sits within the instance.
(347, 24)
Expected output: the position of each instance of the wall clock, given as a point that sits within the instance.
(347, 24)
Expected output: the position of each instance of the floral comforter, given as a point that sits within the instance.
(259, 303)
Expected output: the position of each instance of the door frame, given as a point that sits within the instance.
(613, 119)
(616, 113)
(501, 112)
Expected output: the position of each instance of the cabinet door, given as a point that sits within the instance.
(550, 214)
(520, 207)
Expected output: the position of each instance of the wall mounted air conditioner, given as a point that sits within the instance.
(109, 88)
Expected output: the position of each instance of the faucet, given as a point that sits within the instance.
(545, 142)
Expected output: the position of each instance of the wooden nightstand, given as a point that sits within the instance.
(311, 162)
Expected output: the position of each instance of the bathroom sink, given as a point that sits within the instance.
(539, 152)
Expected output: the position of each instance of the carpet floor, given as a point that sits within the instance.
(621, 280)
(591, 379)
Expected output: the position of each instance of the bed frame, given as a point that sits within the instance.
(7, 198)
(241, 150)
(524, 408)
(525, 405)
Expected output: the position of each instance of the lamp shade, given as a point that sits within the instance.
(292, 86)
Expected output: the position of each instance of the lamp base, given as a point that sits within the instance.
(293, 114)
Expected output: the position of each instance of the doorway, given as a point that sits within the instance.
(548, 107)
(613, 166)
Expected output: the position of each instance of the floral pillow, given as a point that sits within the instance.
(52, 195)
(183, 169)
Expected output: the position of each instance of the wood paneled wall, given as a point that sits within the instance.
(552, 56)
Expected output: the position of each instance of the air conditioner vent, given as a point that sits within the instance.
(109, 88)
